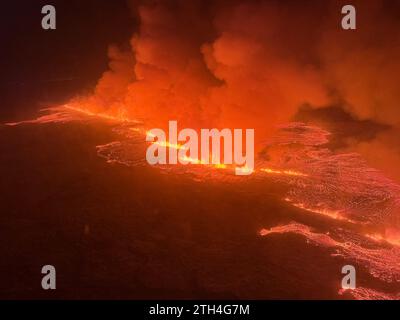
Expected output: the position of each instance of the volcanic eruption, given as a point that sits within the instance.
(260, 65)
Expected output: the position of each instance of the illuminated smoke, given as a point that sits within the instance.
(219, 64)
(253, 64)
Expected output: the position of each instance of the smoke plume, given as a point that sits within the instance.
(253, 64)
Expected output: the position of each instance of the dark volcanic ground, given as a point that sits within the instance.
(133, 233)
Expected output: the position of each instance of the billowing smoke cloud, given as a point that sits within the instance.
(362, 68)
(253, 64)
(216, 64)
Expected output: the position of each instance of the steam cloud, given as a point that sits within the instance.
(252, 64)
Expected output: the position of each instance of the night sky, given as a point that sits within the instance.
(50, 66)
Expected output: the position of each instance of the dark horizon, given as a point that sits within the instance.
(41, 67)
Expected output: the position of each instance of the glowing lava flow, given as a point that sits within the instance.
(169, 145)
(334, 214)
(284, 172)
(338, 186)
(68, 112)
(120, 118)
(381, 260)
(183, 158)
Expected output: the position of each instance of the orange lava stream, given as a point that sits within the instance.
(61, 114)
(167, 144)
(284, 172)
(334, 214)
(102, 115)
(58, 115)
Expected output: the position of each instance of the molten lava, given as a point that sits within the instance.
(340, 187)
